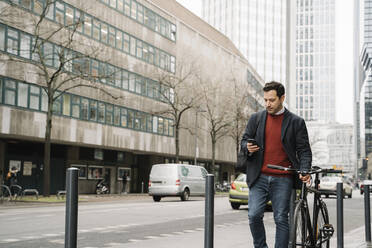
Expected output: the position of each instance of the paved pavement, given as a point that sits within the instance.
(235, 235)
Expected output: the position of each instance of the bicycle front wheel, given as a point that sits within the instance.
(324, 229)
(299, 233)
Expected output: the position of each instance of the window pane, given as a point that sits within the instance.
(22, 97)
(84, 108)
(10, 95)
(69, 16)
(38, 6)
(130, 118)
(125, 80)
(109, 114)
(165, 126)
(93, 110)
(96, 29)
(60, 13)
(104, 32)
(44, 101)
(2, 38)
(88, 25)
(66, 104)
(132, 82)
(160, 126)
(12, 41)
(26, 4)
(1, 90)
(101, 112)
(155, 124)
(57, 105)
(117, 116)
(76, 106)
(123, 117)
(25, 46)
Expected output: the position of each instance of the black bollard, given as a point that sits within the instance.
(367, 213)
(209, 211)
(71, 207)
(340, 215)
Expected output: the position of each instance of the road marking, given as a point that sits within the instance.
(57, 241)
(188, 231)
(151, 237)
(134, 240)
(9, 240)
(178, 233)
(166, 235)
(50, 235)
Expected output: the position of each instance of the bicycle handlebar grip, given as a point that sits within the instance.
(277, 167)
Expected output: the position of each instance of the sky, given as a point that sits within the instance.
(344, 55)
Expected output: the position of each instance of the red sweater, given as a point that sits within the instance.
(274, 151)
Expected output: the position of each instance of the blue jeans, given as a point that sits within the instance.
(278, 190)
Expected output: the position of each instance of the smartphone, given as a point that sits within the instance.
(253, 141)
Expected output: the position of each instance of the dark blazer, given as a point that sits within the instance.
(294, 138)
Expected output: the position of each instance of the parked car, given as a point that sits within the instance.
(239, 193)
(328, 186)
(181, 180)
(365, 182)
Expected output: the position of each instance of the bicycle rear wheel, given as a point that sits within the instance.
(324, 229)
(299, 233)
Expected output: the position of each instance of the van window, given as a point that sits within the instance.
(163, 171)
(185, 171)
(203, 172)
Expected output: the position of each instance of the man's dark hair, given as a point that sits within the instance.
(278, 87)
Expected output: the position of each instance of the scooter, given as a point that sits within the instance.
(102, 188)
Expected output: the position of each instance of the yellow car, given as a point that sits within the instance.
(238, 194)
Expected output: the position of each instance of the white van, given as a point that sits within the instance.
(176, 180)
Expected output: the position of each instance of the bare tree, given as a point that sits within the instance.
(56, 62)
(217, 106)
(179, 95)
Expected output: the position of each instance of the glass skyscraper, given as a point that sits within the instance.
(257, 28)
(315, 60)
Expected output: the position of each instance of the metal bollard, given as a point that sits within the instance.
(367, 213)
(142, 187)
(209, 211)
(340, 215)
(71, 207)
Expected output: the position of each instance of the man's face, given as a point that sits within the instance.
(272, 102)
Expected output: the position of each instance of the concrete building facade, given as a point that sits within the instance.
(132, 40)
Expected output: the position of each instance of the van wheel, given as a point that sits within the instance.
(185, 195)
(156, 198)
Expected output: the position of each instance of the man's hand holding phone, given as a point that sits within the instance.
(252, 145)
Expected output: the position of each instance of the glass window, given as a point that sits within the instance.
(38, 6)
(113, 3)
(132, 82)
(25, 46)
(78, 21)
(26, 4)
(166, 127)
(48, 53)
(171, 127)
(66, 104)
(149, 123)
(22, 95)
(116, 116)
(155, 124)
(132, 46)
(96, 29)
(13, 41)
(10, 92)
(75, 104)
(60, 13)
(140, 13)
(160, 125)
(112, 35)
(126, 45)
(69, 16)
(109, 114)
(125, 78)
(87, 25)
(104, 33)
(94, 68)
(84, 108)
(119, 40)
(118, 78)
(57, 105)
(93, 110)
(2, 38)
(50, 11)
(120, 5)
(134, 10)
(127, 7)
(101, 112)
(123, 117)
(44, 100)
(130, 118)
(139, 48)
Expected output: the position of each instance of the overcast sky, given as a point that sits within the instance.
(344, 55)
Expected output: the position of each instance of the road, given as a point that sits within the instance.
(145, 223)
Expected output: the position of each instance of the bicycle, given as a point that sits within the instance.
(304, 232)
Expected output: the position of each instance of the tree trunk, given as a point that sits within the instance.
(177, 144)
(213, 154)
(47, 151)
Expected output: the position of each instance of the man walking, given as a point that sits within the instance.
(273, 136)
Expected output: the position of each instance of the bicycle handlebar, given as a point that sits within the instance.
(312, 170)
